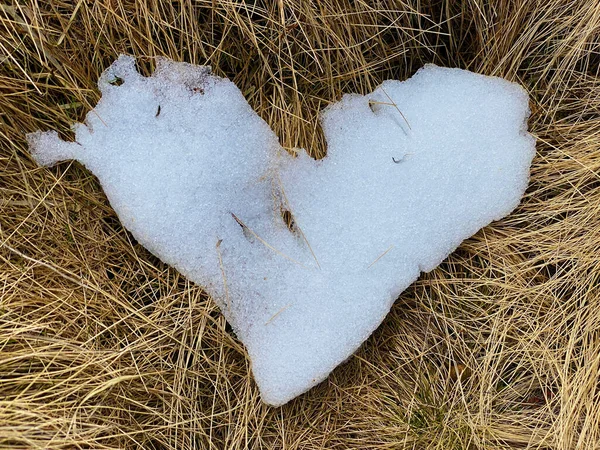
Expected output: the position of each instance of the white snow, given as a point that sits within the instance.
(199, 179)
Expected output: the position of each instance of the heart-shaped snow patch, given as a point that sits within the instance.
(304, 257)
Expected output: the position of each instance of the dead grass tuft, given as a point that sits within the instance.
(102, 346)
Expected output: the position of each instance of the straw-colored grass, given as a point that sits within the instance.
(103, 346)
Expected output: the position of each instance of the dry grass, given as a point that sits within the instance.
(102, 346)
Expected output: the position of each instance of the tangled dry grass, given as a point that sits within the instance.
(103, 346)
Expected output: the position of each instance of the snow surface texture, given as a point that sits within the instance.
(304, 257)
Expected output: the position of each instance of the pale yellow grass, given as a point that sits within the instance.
(102, 346)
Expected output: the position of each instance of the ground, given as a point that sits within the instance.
(103, 346)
